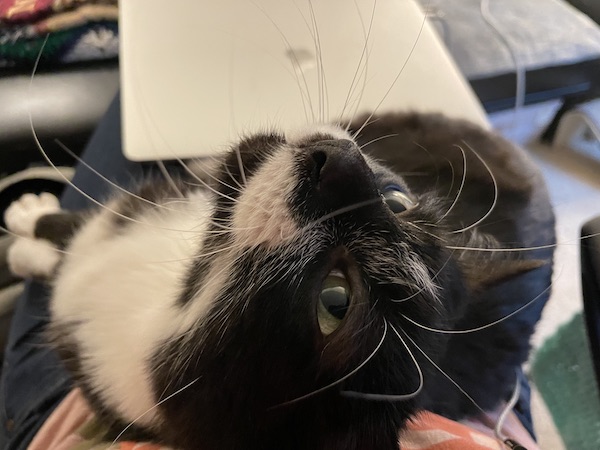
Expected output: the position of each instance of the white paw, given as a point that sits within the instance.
(32, 258)
(22, 215)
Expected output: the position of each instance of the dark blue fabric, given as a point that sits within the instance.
(33, 379)
(523, 407)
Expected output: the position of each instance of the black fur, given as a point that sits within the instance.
(58, 228)
(260, 346)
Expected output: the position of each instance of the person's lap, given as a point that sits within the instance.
(33, 380)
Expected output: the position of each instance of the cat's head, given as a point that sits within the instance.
(316, 256)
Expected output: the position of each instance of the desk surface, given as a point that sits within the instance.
(202, 74)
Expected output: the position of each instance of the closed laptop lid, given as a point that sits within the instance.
(196, 76)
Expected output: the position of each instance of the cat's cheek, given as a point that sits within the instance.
(262, 215)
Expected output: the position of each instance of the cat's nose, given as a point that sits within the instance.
(339, 175)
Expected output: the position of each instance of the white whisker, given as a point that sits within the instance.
(483, 327)
(438, 238)
(444, 373)
(340, 211)
(359, 73)
(372, 141)
(296, 63)
(435, 275)
(345, 377)
(169, 178)
(391, 397)
(112, 183)
(153, 408)
(410, 53)
(241, 164)
(491, 209)
(462, 183)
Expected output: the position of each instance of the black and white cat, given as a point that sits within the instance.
(296, 293)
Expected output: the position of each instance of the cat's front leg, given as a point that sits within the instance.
(42, 228)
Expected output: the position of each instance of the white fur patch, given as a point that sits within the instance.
(32, 258)
(262, 216)
(301, 134)
(118, 290)
(22, 215)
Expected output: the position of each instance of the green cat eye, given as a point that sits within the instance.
(397, 200)
(334, 301)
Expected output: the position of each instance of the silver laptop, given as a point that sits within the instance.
(197, 75)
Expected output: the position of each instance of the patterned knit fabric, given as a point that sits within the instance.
(73, 426)
(74, 31)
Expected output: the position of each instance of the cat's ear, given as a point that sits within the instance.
(485, 269)
(483, 274)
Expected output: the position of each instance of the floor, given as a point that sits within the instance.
(574, 185)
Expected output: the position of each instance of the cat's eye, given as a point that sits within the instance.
(397, 200)
(334, 301)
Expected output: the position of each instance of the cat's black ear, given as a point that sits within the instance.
(485, 269)
(482, 274)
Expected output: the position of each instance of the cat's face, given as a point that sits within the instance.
(315, 254)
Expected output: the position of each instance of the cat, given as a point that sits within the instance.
(301, 291)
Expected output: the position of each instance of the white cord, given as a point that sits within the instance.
(507, 409)
(487, 16)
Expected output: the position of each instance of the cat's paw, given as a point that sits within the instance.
(22, 215)
(32, 258)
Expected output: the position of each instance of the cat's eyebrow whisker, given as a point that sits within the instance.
(226, 166)
(433, 161)
(451, 177)
(201, 182)
(241, 164)
(305, 94)
(170, 396)
(324, 91)
(220, 194)
(340, 380)
(359, 72)
(445, 374)
(199, 164)
(367, 123)
(224, 224)
(313, 30)
(462, 183)
(207, 186)
(372, 141)
(69, 182)
(200, 255)
(483, 327)
(112, 183)
(86, 195)
(491, 209)
(168, 178)
(408, 58)
(392, 397)
(45, 154)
